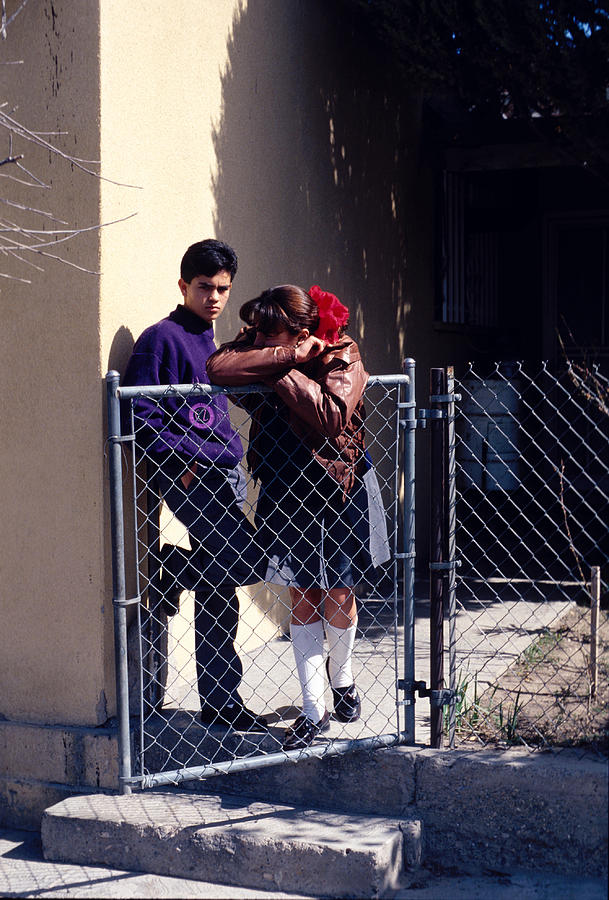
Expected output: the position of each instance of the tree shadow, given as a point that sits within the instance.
(314, 168)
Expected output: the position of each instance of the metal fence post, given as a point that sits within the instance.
(436, 553)
(409, 542)
(451, 575)
(118, 579)
(595, 601)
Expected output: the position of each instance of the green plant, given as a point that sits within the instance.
(465, 708)
(508, 722)
(539, 651)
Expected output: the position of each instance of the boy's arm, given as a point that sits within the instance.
(159, 440)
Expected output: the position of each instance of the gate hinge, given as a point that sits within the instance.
(128, 601)
(443, 697)
(407, 423)
(121, 438)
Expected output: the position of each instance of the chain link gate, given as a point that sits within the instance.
(161, 737)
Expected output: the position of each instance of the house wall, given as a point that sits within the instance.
(214, 118)
(53, 644)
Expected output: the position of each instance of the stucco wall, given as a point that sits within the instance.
(227, 118)
(52, 649)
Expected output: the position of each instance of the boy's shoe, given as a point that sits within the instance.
(233, 715)
(304, 731)
(347, 703)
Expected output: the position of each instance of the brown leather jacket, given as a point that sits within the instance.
(323, 396)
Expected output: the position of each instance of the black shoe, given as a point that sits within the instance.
(233, 715)
(171, 558)
(304, 731)
(347, 704)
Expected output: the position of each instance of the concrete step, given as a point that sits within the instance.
(231, 840)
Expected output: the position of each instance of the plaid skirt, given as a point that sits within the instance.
(314, 536)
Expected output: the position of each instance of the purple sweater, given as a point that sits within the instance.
(174, 429)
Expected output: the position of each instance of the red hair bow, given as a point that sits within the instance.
(332, 314)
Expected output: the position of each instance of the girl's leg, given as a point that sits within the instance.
(307, 633)
(341, 625)
(341, 607)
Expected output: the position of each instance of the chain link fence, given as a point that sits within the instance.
(179, 642)
(515, 641)
(530, 661)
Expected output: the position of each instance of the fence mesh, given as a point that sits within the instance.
(532, 470)
(182, 640)
(529, 662)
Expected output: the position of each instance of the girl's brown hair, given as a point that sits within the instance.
(282, 308)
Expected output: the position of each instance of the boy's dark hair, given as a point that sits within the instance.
(207, 258)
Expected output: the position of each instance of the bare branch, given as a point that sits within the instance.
(38, 212)
(15, 278)
(17, 240)
(565, 514)
(588, 381)
(4, 23)
(27, 262)
(15, 127)
(14, 248)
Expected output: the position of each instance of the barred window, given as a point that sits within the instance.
(469, 293)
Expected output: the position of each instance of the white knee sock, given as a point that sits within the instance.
(308, 645)
(340, 649)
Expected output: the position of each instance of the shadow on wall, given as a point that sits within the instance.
(313, 171)
(120, 350)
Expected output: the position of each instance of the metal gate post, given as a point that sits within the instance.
(436, 554)
(409, 422)
(119, 597)
(451, 576)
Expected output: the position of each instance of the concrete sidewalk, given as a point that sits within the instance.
(25, 873)
(491, 633)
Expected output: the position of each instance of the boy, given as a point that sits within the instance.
(197, 454)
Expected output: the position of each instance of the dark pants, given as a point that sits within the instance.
(219, 669)
(224, 554)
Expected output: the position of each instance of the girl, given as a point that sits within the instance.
(307, 451)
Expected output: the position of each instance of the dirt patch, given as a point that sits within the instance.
(546, 698)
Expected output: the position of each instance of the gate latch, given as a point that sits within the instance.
(443, 697)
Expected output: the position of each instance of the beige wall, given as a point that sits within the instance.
(161, 93)
(52, 644)
(231, 119)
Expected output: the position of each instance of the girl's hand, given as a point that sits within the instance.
(247, 333)
(311, 346)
